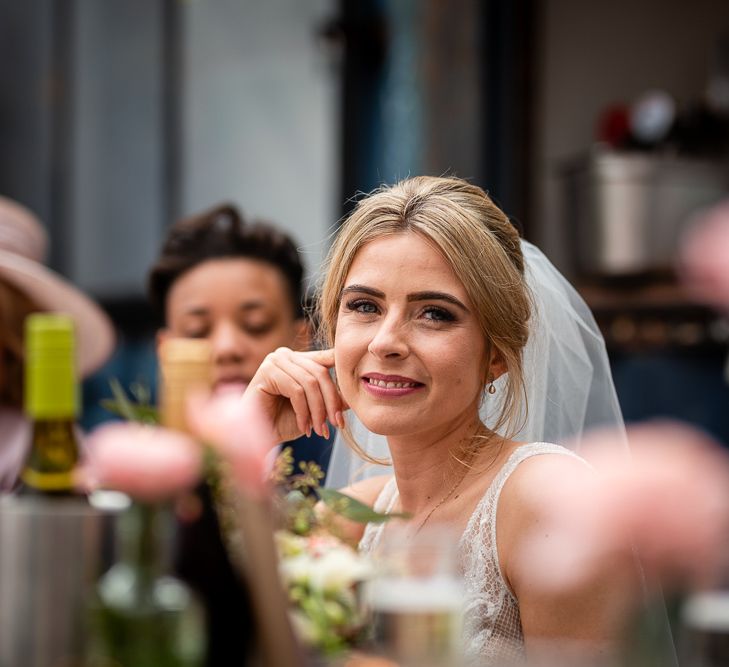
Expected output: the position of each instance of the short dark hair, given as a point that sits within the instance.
(221, 232)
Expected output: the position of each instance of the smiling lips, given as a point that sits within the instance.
(390, 386)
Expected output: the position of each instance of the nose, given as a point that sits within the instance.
(390, 341)
(228, 344)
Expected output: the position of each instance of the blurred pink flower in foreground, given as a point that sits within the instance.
(669, 500)
(704, 260)
(240, 432)
(149, 463)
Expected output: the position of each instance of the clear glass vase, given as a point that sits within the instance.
(142, 616)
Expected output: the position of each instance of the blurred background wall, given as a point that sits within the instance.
(118, 116)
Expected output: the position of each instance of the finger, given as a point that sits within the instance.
(291, 364)
(329, 390)
(281, 382)
(335, 408)
(271, 381)
(323, 357)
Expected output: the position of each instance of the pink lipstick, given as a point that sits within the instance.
(390, 386)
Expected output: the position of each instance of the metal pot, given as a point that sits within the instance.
(49, 560)
(627, 211)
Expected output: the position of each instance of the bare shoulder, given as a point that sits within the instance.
(529, 498)
(529, 520)
(365, 492)
(535, 479)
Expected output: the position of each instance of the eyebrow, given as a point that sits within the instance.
(415, 296)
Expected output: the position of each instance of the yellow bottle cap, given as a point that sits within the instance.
(51, 390)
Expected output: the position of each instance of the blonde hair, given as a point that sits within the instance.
(479, 243)
(15, 306)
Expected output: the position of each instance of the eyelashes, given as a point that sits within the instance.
(254, 330)
(258, 329)
(429, 312)
(364, 306)
(438, 314)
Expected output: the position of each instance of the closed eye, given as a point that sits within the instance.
(202, 332)
(257, 329)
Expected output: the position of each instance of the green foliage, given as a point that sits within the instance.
(137, 409)
(283, 466)
(352, 509)
(300, 493)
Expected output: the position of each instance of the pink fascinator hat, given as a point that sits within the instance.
(23, 246)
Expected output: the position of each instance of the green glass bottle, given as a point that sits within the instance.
(51, 404)
(143, 615)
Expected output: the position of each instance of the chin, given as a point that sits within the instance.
(384, 422)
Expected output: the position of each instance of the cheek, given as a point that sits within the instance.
(344, 361)
(456, 366)
(348, 340)
(348, 348)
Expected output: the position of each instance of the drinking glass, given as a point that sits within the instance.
(416, 597)
(704, 640)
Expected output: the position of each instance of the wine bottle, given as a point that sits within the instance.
(51, 404)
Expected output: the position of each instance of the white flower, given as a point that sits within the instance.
(338, 569)
(289, 544)
(323, 564)
(297, 569)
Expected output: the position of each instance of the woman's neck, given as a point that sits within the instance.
(426, 465)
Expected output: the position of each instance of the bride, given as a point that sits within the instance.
(427, 313)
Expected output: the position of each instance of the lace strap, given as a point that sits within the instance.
(521, 454)
(483, 518)
(384, 503)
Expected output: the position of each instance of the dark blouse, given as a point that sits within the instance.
(202, 561)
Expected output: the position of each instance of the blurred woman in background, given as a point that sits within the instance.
(239, 286)
(28, 286)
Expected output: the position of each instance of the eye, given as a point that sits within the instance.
(202, 332)
(364, 306)
(438, 314)
(257, 329)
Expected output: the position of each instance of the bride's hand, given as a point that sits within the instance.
(296, 393)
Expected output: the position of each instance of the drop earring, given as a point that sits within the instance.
(491, 389)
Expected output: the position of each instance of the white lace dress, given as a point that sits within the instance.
(492, 630)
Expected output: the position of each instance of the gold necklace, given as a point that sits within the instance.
(441, 501)
(455, 486)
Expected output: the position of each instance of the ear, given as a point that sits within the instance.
(302, 335)
(496, 367)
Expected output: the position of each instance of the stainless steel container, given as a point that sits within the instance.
(49, 560)
(627, 211)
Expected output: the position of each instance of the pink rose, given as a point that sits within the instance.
(242, 435)
(704, 260)
(669, 499)
(149, 463)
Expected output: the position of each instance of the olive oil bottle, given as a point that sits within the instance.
(51, 404)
